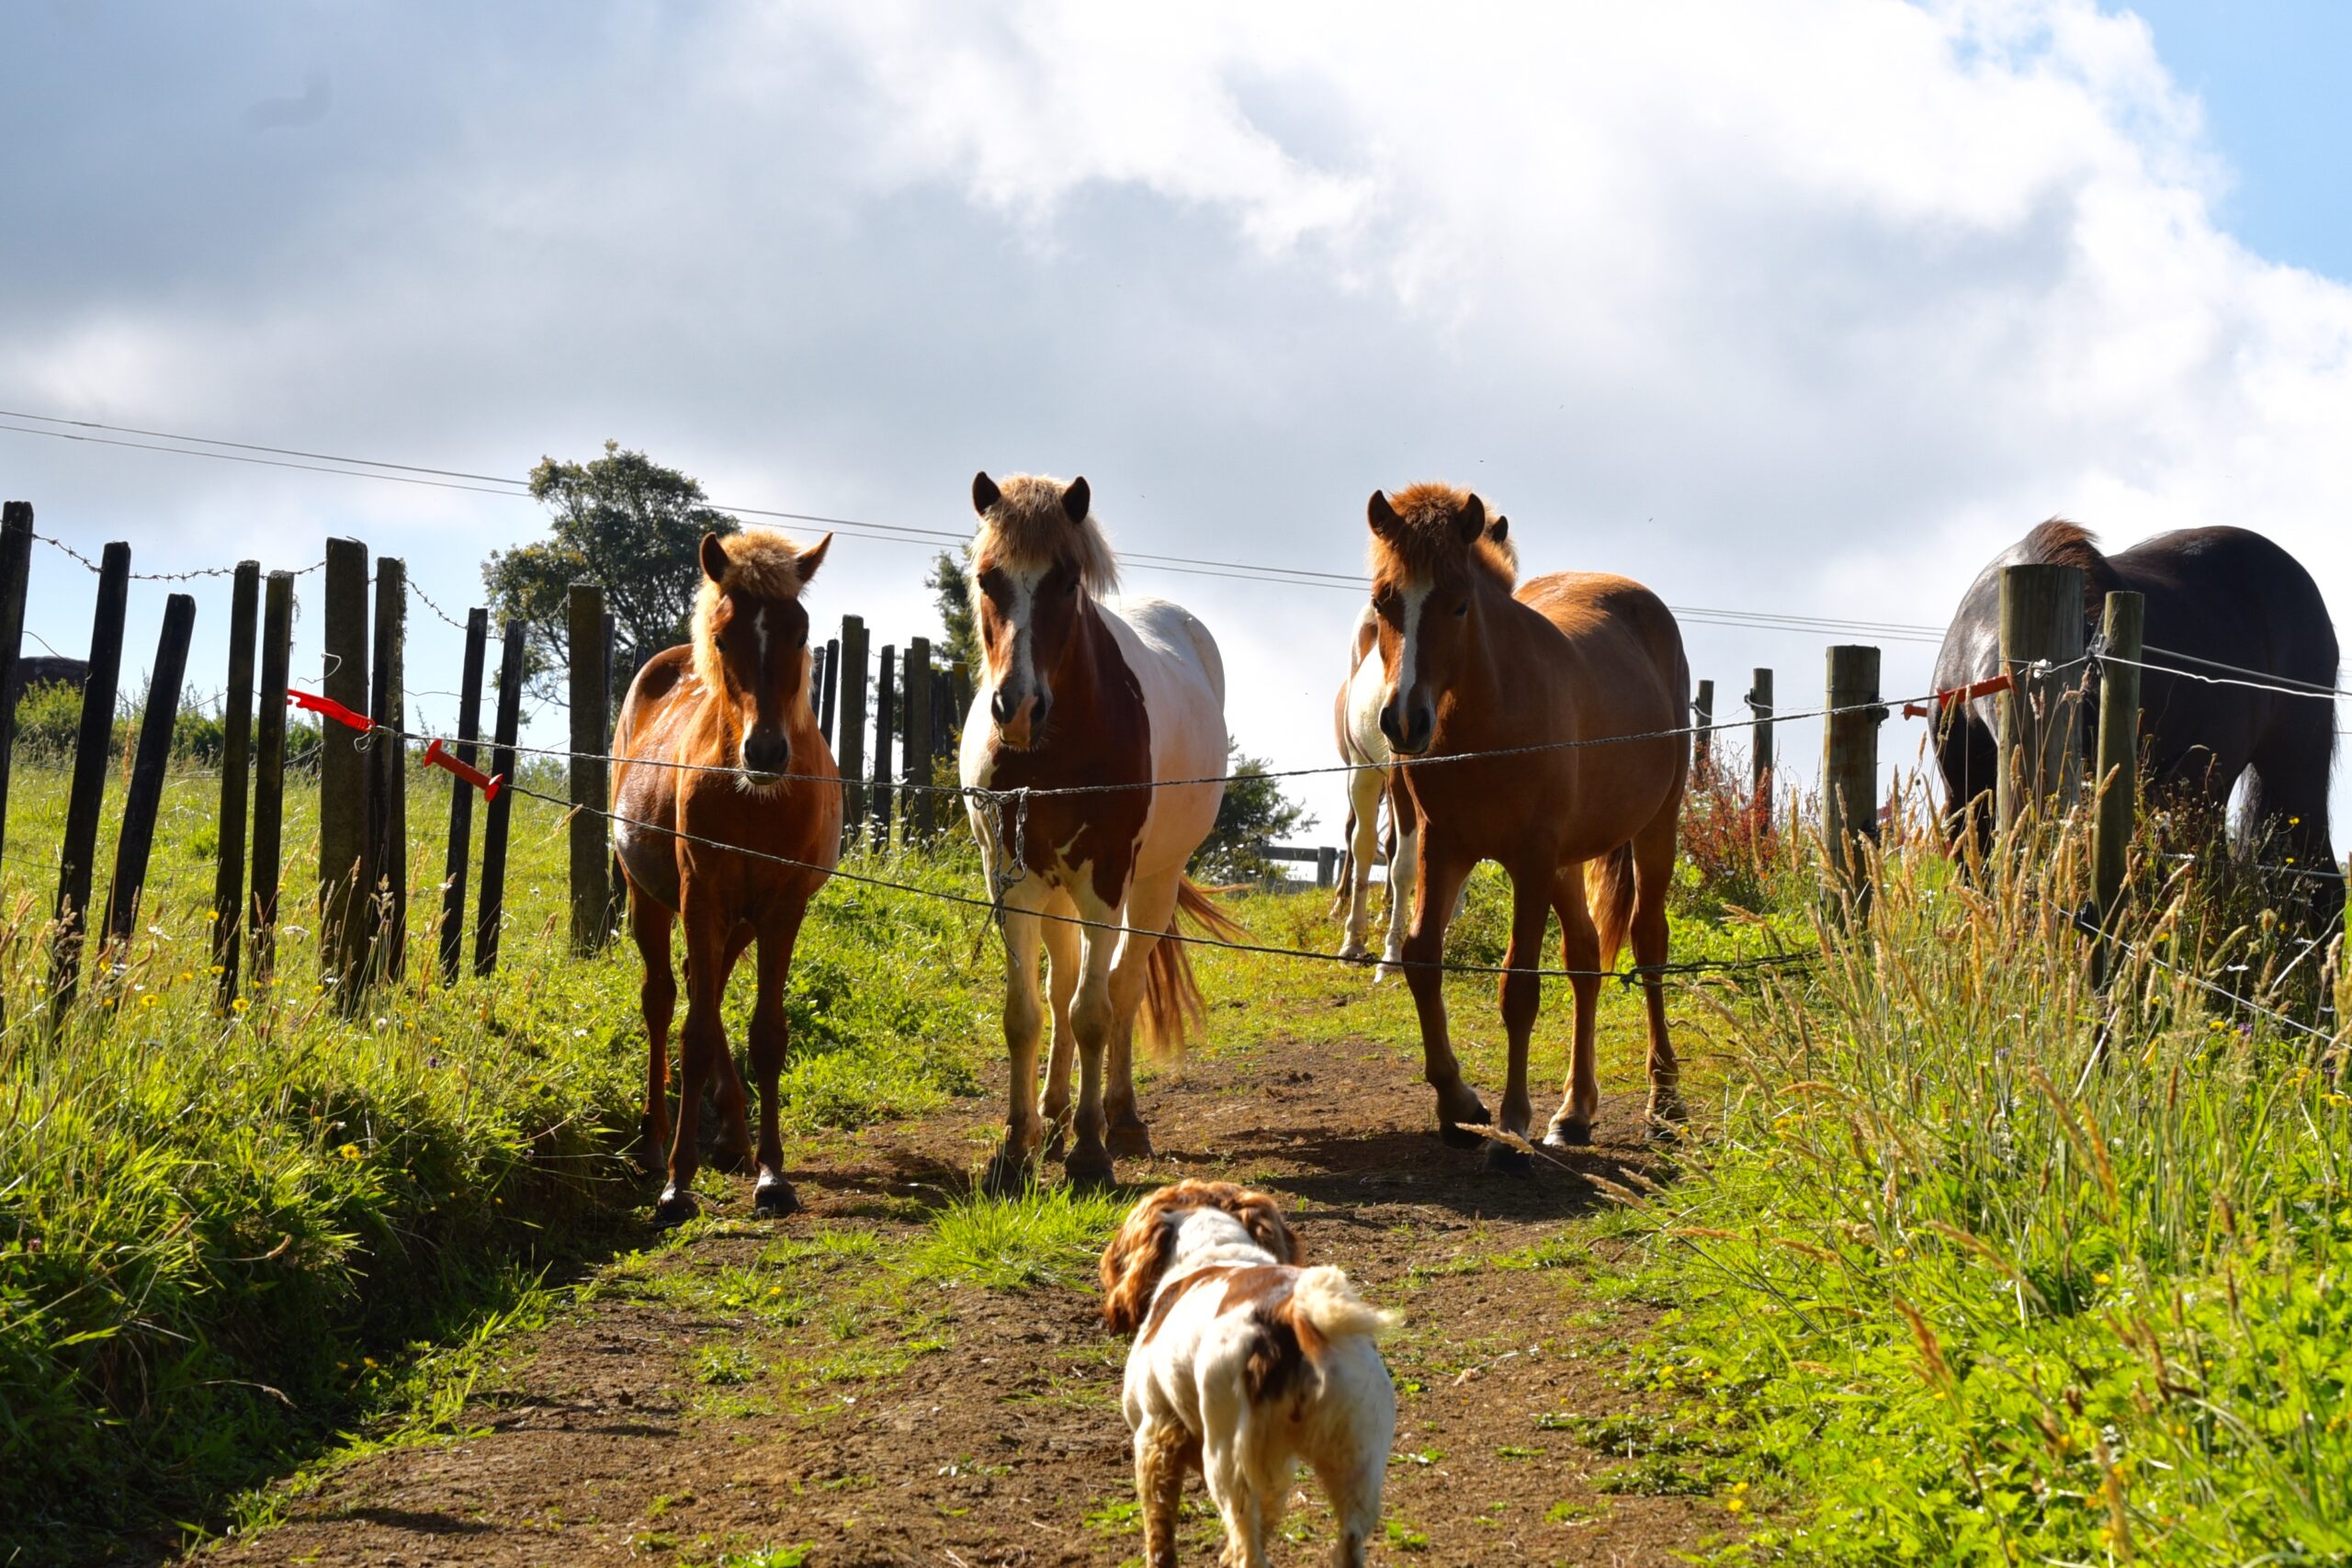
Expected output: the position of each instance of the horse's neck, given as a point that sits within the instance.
(1482, 688)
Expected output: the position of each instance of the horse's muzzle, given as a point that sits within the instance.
(1411, 735)
(1018, 722)
(766, 756)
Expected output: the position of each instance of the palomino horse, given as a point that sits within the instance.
(1357, 718)
(2221, 601)
(1570, 658)
(1078, 690)
(737, 699)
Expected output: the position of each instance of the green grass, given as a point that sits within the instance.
(1047, 1236)
(225, 1238)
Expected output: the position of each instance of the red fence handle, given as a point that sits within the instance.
(438, 756)
(330, 708)
(2000, 683)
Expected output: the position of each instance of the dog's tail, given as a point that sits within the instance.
(1324, 1306)
(1171, 999)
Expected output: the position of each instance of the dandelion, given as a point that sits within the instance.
(369, 1362)
(1901, 1253)
(2102, 1279)
(218, 970)
(237, 1006)
(1736, 1505)
(212, 914)
(350, 1151)
(150, 1000)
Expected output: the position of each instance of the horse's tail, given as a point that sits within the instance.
(1171, 998)
(1609, 891)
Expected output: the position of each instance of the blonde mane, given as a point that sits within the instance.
(764, 563)
(1425, 542)
(1028, 528)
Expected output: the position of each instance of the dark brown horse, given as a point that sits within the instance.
(2220, 603)
(757, 775)
(1472, 666)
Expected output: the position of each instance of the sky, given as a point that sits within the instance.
(1807, 309)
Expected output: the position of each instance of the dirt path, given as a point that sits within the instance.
(762, 1396)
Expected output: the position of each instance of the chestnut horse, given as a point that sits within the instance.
(1356, 716)
(1079, 690)
(1470, 666)
(737, 700)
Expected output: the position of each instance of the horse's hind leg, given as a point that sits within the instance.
(701, 1049)
(1364, 845)
(1009, 1168)
(1151, 906)
(1061, 984)
(1521, 995)
(1652, 870)
(1404, 865)
(656, 995)
(1088, 1164)
(1580, 953)
(772, 1196)
(2286, 818)
(733, 1151)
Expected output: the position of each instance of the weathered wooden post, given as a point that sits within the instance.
(461, 798)
(16, 569)
(490, 908)
(831, 686)
(1850, 763)
(852, 725)
(1702, 718)
(86, 793)
(2118, 756)
(152, 761)
(1759, 702)
(960, 679)
(592, 895)
(346, 879)
(2041, 640)
(270, 768)
(1327, 865)
(387, 903)
(236, 780)
(916, 768)
(885, 730)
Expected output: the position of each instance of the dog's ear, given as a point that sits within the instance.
(1263, 1218)
(1133, 1262)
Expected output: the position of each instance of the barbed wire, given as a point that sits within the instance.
(188, 576)
(448, 619)
(2268, 682)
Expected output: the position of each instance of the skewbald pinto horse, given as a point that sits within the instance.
(1076, 690)
(1356, 715)
(1472, 666)
(736, 699)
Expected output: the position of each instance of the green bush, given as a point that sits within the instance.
(48, 720)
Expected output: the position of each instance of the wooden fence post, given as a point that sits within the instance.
(2041, 622)
(590, 858)
(387, 897)
(852, 725)
(831, 686)
(1702, 718)
(960, 679)
(489, 906)
(270, 768)
(1327, 865)
(885, 730)
(346, 880)
(236, 781)
(140, 802)
(1759, 702)
(1850, 763)
(87, 795)
(2119, 756)
(916, 768)
(461, 798)
(16, 568)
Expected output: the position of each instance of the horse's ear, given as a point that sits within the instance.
(811, 558)
(1380, 514)
(714, 558)
(984, 493)
(1500, 529)
(1077, 499)
(1472, 521)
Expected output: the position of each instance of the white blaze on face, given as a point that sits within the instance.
(1020, 672)
(1416, 596)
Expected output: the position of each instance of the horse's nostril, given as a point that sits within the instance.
(1001, 706)
(766, 753)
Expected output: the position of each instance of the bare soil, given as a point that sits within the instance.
(787, 1389)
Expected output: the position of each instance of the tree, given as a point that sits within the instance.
(1254, 812)
(623, 521)
(953, 583)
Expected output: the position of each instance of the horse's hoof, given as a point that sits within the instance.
(773, 1198)
(1389, 970)
(1662, 1129)
(653, 1152)
(1129, 1140)
(1353, 949)
(674, 1209)
(1090, 1170)
(1456, 1136)
(734, 1162)
(1569, 1133)
(1453, 1123)
(1504, 1160)
(1008, 1175)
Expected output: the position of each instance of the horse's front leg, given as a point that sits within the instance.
(772, 1196)
(1009, 1169)
(1521, 994)
(657, 997)
(1152, 908)
(732, 1152)
(1062, 959)
(1580, 953)
(1091, 1014)
(702, 1050)
(1442, 873)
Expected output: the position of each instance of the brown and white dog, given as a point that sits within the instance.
(1244, 1364)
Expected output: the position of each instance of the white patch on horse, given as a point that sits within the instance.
(1416, 596)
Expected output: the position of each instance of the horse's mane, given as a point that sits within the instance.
(764, 563)
(2057, 542)
(1028, 527)
(1425, 542)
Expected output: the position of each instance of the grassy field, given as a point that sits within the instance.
(1966, 1261)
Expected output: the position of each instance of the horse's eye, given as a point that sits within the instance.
(1462, 609)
